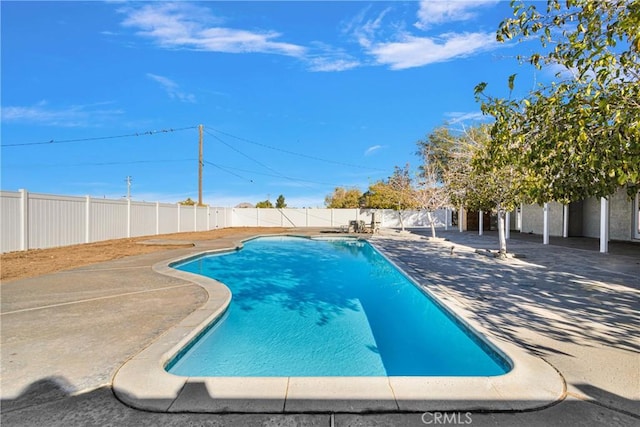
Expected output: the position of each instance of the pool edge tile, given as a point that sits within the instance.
(144, 385)
(339, 394)
(232, 394)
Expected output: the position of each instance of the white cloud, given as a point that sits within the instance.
(187, 26)
(172, 88)
(441, 11)
(398, 46)
(458, 117)
(328, 64)
(369, 151)
(69, 116)
(411, 51)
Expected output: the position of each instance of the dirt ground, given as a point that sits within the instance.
(36, 262)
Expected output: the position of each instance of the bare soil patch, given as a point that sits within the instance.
(36, 262)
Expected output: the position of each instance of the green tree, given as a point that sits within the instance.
(430, 193)
(395, 193)
(343, 198)
(436, 151)
(480, 174)
(579, 136)
(280, 203)
(265, 204)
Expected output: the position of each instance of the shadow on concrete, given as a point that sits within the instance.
(570, 302)
(100, 407)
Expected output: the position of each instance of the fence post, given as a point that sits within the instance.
(195, 217)
(306, 217)
(157, 218)
(178, 217)
(24, 219)
(128, 218)
(208, 217)
(87, 219)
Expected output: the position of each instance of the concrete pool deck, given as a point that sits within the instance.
(65, 335)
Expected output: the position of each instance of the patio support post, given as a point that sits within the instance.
(446, 219)
(604, 225)
(460, 213)
(545, 224)
(481, 226)
(507, 225)
(565, 221)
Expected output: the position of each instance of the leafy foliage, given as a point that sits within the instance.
(265, 204)
(579, 136)
(280, 203)
(395, 193)
(343, 198)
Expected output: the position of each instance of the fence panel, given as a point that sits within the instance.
(143, 219)
(168, 218)
(319, 218)
(41, 221)
(202, 218)
(271, 218)
(245, 217)
(107, 219)
(342, 217)
(55, 221)
(11, 224)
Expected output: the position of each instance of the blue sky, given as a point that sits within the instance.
(295, 97)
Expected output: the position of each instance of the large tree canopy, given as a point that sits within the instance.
(342, 198)
(578, 136)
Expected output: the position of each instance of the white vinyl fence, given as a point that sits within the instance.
(38, 221)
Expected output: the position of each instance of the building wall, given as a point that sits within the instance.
(587, 213)
(620, 216)
(591, 218)
(533, 219)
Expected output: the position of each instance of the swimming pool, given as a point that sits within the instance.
(326, 307)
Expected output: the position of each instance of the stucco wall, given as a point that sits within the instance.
(620, 217)
(591, 218)
(533, 219)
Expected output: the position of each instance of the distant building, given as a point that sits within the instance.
(244, 205)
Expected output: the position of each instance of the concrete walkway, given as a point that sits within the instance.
(65, 335)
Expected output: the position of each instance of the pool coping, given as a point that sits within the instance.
(143, 383)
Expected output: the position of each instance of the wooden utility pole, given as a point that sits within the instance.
(200, 163)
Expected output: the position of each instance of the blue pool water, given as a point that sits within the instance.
(304, 307)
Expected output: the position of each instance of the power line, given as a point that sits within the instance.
(64, 141)
(224, 169)
(255, 160)
(293, 153)
(132, 162)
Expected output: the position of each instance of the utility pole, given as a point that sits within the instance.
(200, 163)
(128, 181)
